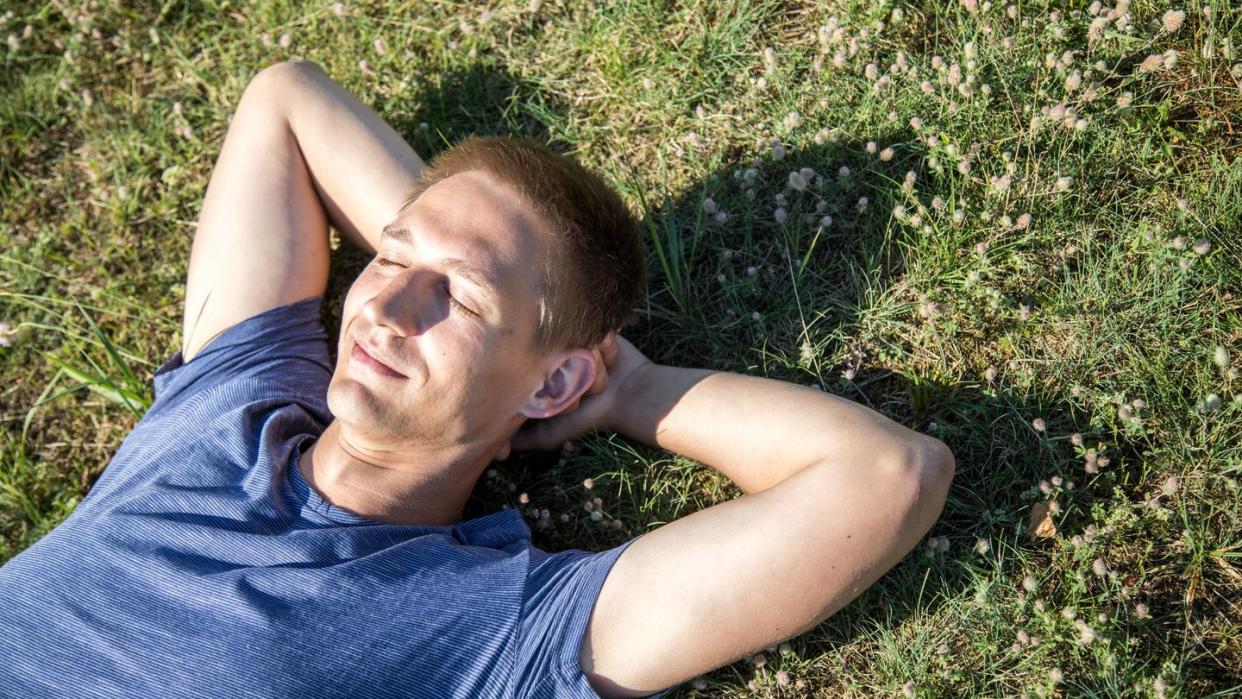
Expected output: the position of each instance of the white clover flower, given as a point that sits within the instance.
(871, 147)
(720, 217)
(1056, 676)
(1172, 20)
(1202, 246)
(839, 58)
(1220, 357)
(843, 171)
(954, 75)
(1074, 81)
(780, 214)
(964, 167)
(1063, 183)
(1023, 222)
(7, 333)
(709, 206)
(793, 120)
(1099, 567)
(825, 221)
(1125, 99)
(365, 67)
(937, 203)
(1171, 486)
(1039, 425)
(379, 45)
(1141, 611)
(927, 87)
(886, 154)
(908, 183)
(769, 60)
(916, 123)
(1151, 63)
(285, 41)
(778, 151)
(1170, 58)
(797, 181)
(871, 72)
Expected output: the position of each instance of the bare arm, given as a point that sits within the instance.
(300, 153)
(836, 495)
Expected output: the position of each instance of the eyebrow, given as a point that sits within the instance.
(475, 275)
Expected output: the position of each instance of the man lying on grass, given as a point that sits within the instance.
(277, 527)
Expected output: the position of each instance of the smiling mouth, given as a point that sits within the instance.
(360, 355)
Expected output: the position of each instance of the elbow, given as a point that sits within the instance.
(925, 468)
(277, 80)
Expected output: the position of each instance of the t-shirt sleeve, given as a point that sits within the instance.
(286, 344)
(561, 591)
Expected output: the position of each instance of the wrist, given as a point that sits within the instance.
(627, 400)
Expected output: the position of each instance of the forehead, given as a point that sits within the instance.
(475, 215)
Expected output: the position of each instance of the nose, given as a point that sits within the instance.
(407, 304)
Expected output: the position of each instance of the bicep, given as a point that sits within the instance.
(720, 584)
(261, 240)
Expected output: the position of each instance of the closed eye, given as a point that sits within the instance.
(384, 262)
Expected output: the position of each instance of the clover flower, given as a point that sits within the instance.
(964, 166)
(1074, 81)
(887, 154)
(1063, 183)
(1056, 676)
(1099, 567)
(1170, 486)
(1029, 584)
(1172, 20)
(379, 45)
(1170, 58)
(871, 72)
(797, 181)
(871, 147)
(1141, 611)
(769, 60)
(1124, 100)
(916, 123)
(1202, 246)
(793, 120)
(1039, 425)
(7, 333)
(927, 87)
(1151, 63)
(1220, 357)
(780, 214)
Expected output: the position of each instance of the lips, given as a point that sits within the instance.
(363, 357)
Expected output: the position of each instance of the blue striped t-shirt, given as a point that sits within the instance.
(202, 565)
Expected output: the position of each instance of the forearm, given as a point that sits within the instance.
(758, 431)
(362, 169)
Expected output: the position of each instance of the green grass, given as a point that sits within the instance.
(1100, 301)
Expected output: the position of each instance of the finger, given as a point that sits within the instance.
(609, 348)
(601, 375)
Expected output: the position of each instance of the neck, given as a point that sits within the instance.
(413, 486)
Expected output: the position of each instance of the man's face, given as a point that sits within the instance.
(437, 334)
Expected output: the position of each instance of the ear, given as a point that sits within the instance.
(570, 377)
